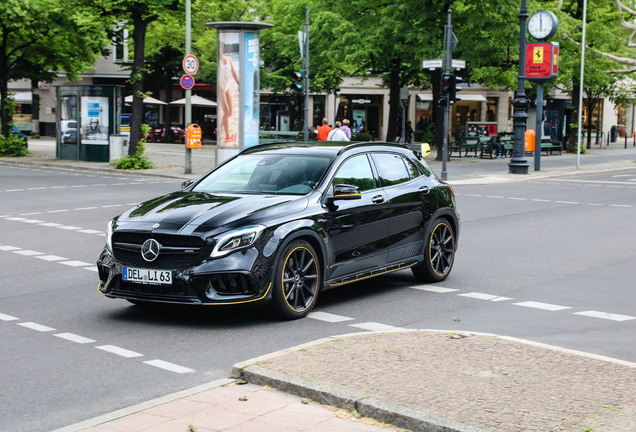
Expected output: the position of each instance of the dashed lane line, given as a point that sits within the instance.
(542, 306)
(122, 352)
(112, 349)
(539, 200)
(528, 304)
(36, 327)
(328, 317)
(605, 315)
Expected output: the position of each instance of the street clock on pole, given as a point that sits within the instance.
(542, 25)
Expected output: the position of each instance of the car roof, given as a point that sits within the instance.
(331, 148)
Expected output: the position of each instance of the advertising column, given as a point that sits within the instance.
(238, 86)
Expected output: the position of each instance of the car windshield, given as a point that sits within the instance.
(263, 173)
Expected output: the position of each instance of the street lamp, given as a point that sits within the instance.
(518, 164)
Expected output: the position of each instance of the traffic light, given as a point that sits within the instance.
(299, 81)
(445, 88)
(448, 88)
(454, 88)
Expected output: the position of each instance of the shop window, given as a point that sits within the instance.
(596, 116)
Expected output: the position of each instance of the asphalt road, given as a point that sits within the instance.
(546, 260)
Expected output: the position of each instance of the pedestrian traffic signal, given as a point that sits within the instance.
(454, 88)
(299, 81)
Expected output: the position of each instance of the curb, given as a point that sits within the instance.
(387, 412)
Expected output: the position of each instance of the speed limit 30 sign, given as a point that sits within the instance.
(190, 64)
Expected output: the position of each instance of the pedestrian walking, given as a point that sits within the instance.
(323, 131)
(346, 129)
(337, 134)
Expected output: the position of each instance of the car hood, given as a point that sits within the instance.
(198, 213)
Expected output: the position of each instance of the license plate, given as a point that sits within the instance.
(147, 276)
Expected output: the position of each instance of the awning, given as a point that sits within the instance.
(462, 96)
(148, 100)
(195, 100)
(23, 97)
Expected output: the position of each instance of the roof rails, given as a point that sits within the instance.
(369, 144)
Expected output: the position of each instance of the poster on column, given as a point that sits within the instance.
(94, 120)
(228, 72)
(251, 80)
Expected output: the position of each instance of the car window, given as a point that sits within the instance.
(391, 168)
(423, 168)
(413, 171)
(266, 173)
(356, 171)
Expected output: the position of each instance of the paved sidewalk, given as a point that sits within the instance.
(411, 380)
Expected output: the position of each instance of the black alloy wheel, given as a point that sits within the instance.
(439, 253)
(297, 280)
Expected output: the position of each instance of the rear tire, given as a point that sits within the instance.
(439, 253)
(297, 280)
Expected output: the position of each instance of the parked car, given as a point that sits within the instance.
(279, 223)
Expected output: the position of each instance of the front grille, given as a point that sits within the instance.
(176, 251)
(170, 293)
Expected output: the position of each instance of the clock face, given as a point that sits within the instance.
(542, 25)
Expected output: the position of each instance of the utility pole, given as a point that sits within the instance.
(188, 93)
(306, 77)
(450, 41)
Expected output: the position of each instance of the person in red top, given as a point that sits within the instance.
(323, 131)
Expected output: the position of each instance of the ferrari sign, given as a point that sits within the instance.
(542, 61)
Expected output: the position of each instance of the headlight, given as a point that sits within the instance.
(109, 235)
(236, 239)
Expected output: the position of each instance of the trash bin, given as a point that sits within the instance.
(614, 133)
(118, 146)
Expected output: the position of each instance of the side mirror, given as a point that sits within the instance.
(425, 149)
(346, 192)
(186, 183)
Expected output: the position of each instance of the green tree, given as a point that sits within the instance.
(39, 38)
(138, 14)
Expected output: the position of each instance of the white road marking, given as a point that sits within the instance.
(75, 263)
(50, 258)
(69, 228)
(119, 351)
(74, 338)
(605, 315)
(374, 326)
(327, 317)
(8, 248)
(484, 296)
(93, 269)
(439, 290)
(36, 326)
(543, 306)
(5, 317)
(51, 224)
(169, 366)
(27, 252)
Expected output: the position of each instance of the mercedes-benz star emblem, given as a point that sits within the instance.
(150, 250)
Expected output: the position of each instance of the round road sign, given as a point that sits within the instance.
(190, 64)
(187, 82)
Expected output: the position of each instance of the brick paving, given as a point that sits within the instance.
(483, 381)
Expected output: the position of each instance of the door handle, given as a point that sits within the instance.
(424, 190)
(378, 199)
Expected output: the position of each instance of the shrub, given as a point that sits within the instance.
(139, 160)
(362, 136)
(12, 146)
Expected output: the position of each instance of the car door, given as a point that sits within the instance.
(410, 201)
(357, 229)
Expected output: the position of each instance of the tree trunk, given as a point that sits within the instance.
(137, 81)
(4, 84)
(576, 89)
(35, 108)
(394, 101)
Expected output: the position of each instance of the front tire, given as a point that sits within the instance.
(439, 253)
(297, 280)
